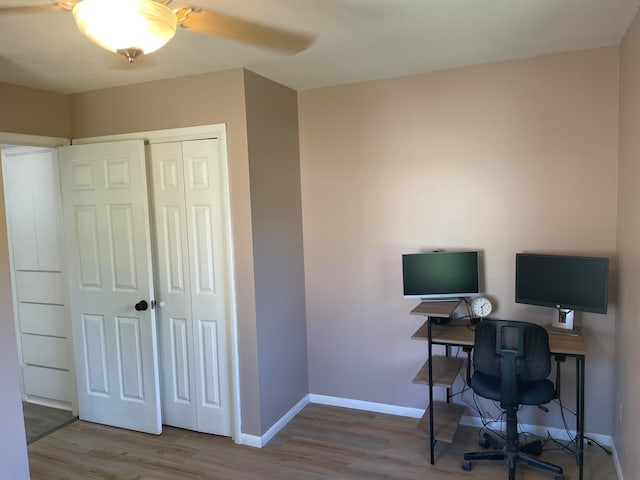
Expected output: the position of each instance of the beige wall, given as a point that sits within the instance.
(627, 349)
(35, 112)
(182, 102)
(274, 170)
(508, 157)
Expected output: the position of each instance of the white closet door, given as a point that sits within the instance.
(190, 262)
(106, 223)
(175, 329)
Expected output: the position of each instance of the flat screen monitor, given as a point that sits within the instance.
(563, 282)
(440, 275)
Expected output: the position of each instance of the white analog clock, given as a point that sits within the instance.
(481, 307)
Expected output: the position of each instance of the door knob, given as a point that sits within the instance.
(141, 305)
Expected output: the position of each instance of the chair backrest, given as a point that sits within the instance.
(512, 351)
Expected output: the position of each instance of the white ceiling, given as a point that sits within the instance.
(355, 40)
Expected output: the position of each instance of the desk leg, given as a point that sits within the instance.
(580, 367)
(432, 440)
(447, 352)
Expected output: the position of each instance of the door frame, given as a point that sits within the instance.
(203, 132)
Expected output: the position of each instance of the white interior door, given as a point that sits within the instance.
(188, 212)
(106, 224)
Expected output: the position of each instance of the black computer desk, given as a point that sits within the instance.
(456, 333)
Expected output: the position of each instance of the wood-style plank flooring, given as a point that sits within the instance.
(321, 442)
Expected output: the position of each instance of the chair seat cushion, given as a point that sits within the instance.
(529, 393)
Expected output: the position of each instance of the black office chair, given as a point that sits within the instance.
(512, 361)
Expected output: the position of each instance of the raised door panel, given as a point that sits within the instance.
(122, 248)
(203, 261)
(209, 364)
(180, 389)
(94, 349)
(89, 269)
(129, 347)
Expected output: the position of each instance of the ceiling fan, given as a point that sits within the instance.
(136, 27)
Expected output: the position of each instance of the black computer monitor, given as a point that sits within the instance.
(564, 282)
(440, 275)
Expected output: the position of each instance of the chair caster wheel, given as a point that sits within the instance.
(533, 448)
(466, 466)
(483, 442)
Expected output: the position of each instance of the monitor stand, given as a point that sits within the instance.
(563, 325)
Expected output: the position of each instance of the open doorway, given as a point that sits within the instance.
(36, 258)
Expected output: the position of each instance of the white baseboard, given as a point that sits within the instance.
(367, 406)
(250, 440)
(539, 430)
(261, 441)
(616, 461)
(557, 433)
(47, 402)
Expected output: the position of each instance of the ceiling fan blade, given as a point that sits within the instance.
(47, 7)
(233, 28)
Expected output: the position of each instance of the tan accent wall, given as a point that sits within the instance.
(627, 352)
(503, 158)
(183, 102)
(274, 171)
(35, 112)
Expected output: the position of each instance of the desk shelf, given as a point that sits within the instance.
(422, 333)
(436, 309)
(445, 421)
(445, 416)
(444, 370)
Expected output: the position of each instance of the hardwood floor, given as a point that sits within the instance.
(321, 442)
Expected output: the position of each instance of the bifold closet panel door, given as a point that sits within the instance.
(175, 328)
(188, 216)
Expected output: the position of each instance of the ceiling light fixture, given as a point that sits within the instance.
(128, 27)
